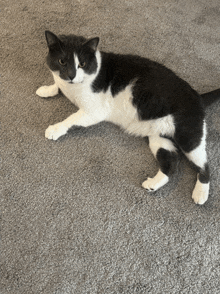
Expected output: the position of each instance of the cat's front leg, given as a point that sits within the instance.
(80, 118)
(48, 91)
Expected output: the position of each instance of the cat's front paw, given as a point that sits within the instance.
(47, 91)
(55, 131)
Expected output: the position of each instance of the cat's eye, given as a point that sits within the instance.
(62, 62)
(82, 64)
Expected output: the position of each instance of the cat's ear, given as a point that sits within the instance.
(52, 40)
(92, 43)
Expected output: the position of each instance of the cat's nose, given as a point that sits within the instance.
(71, 73)
(71, 77)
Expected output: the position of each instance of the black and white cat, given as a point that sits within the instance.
(140, 95)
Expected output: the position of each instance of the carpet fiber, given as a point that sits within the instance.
(75, 218)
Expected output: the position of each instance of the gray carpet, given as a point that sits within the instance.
(74, 216)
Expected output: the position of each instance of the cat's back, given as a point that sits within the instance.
(157, 91)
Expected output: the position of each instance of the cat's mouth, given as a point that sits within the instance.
(73, 83)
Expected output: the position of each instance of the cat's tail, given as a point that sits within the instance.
(210, 97)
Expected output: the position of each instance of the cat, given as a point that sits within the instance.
(140, 95)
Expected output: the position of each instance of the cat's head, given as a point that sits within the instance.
(72, 57)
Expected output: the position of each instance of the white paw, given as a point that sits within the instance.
(200, 193)
(47, 91)
(150, 185)
(153, 184)
(55, 131)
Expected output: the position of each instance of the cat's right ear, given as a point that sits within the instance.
(52, 40)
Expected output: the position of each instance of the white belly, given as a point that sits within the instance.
(154, 127)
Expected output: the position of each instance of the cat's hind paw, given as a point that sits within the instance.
(47, 91)
(200, 193)
(55, 131)
(153, 184)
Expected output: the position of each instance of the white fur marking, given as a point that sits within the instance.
(198, 155)
(157, 142)
(76, 59)
(160, 126)
(79, 71)
(153, 184)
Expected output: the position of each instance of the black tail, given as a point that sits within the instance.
(210, 97)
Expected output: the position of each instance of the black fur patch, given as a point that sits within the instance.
(167, 161)
(117, 71)
(204, 175)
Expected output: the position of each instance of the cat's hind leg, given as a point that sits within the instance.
(199, 159)
(197, 155)
(166, 154)
(48, 91)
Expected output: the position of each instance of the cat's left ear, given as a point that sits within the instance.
(92, 43)
(52, 40)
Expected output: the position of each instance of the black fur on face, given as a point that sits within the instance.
(62, 51)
